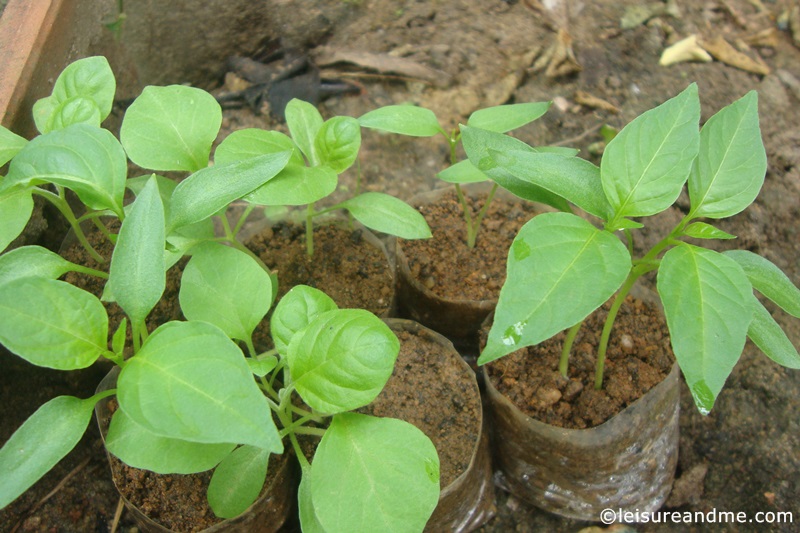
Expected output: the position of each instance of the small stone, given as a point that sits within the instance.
(548, 397)
(429, 282)
(573, 390)
(626, 344)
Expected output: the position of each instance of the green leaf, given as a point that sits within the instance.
(403, 119)
(462, 172)
(51, 323)
(136, 275)
(10, 145)
(16, 208)
(171, 128)
(388, 214)
(701, 230)
(571, 178)
(645, 166)
(503, 118)
(253, 142)
(707, 303)
(140, 448)
(337, 143)
(304, 121)
(769, 280)
(342, 359)
(770, 338)
(296, 185)
(227, 288)
(730, 168)
(41, 442)
(28, 261)
(263, 366)
(237, 481)
(309, 523)
(208, 191)
(374, 474)
(89, 80)
(560, 269)
(118, 340)
(183, 239)
(189, 381)
(481, 146)
(295, 311)
(84, 158)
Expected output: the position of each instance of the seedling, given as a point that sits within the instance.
(421, 122)
(321, 150)
(189, 398)
(561, 267)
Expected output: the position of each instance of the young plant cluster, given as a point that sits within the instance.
(561, 267)
(197, 395)
(417, 121)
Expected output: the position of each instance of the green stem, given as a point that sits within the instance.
(90, 271)
(569, 340)
(305, 414)
(297, 427)
(60, 202)
(481, 214)
(242, 219)
(136, 328)
(310, 230)
(467, 216)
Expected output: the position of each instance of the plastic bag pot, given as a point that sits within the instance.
(266, 515)
(625, 463)
(455, 315)
(467, 501)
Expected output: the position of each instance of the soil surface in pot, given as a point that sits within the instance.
(639, 357)
(451, 269)
(430, 391)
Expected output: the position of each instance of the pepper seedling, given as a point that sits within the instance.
(321, 151)
(415, 121)
(561, 267)
(189, 398)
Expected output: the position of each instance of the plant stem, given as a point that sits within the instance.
(242, 219)
(310, 230)
(60, 202)
(90, 271)
(481, 214)
(569, 340)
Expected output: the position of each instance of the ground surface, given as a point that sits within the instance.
(743, 456)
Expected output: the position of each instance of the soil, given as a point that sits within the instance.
(742, 457)
(639, 357)
(481, 270)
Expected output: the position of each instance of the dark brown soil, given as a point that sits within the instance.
(639, 357)
(446, 265)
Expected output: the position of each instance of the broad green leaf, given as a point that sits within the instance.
(10, 145)
(189, 381)
(89, 78)
(140, 448)
(27, 261)
(166, 187)
(304, 121)
(403, 119)
(374, 474)
(76, 110)
(309, 523)
(730, 168)
(253, 142)
(295, 311)
(296, 185)
(118, 339)
(645, 166)
(51, 323)
(706, 298)
(262, 367)
(237, 481)
(86, 159)
(481, 145)
(15, 211)
(171, 128)
(210, 190)
(571, 178)
(701, 230)
(41, 442)
(769, 280)
(462, 172)
(560, 269)
(225, 287)
(388, 214)
(337, 143)
(136, 275)
(503, 118)
(770, 338)
(342, 359)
